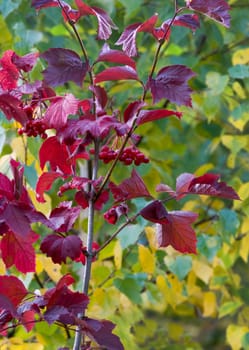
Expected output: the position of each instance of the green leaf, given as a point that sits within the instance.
(130, 287)
(216, 82)
(129, 235)
(209, 245)
(228, 224)
(6, 7)
(181, 266)
(245, 341)
(131, 6)
(240, 71)
(229, 308)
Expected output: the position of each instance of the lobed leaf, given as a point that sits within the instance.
(105, 24)
(12, 108)
(63, 65)
(217, 10)
(178, 232)
(171, 83)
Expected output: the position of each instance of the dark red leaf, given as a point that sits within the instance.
(132, 187)
(101, 332)
(178, 232)
(206, 184)
(9, 73)
(66, 280)
(14, 215)
(115, 56)
(171, 84)
(26, 62)
(105, 24)
(77, 183)
(116, 73)
(114, 213)
(151, 115)
(28, 320)
(6, 187)
(67, 11)
(59, 110)
(128, 37)
(63, 65)
(63, 217)
(188, 20)
(12, 288)
(45, 183)
(132, 110)
(12, 108)
(56, 154)
(217, 10)
(82, 198)
(59, 248)
(18, 250)
(155, 212)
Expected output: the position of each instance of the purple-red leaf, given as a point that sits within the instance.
(12, 108)
(15, 217)
(206, 184)
(132, 187)
(56, 154)
(178, 232)
(101, 333)
(128, 37)
(116, 73)
(188, 20)
(58, 248)
(63, 217)
(18, 250)
(59, 110)
(105, 24)
(151, 115)
(155, 212)
(67, 11)
(63, 65)
(171, 83)
(45, 183)
(25, 63)
(217, 10)
(115, 56)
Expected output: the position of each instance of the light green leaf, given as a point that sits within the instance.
(181, 266)
(240, 71)
(129, 235)
(216, 82)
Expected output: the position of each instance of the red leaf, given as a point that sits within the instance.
(14, 215)
(12, 108)
(151, 115)
(132, 110)
(115, 56)
(26, 62)
(63, 217)
(116, 73)
(178, 232)
(9, 74)
(206, 184)
(171, 84)
(105, 23)
(132, 187)
(12, 288)
(128, 37)
(6, 187)
(18, 250)
(155, 212)
(217, 10)
(59, 110)
(59, 248)
(114, 213)
(101, 332)
(63, 65)
(56, 154)
(45, 183)
(71, 13)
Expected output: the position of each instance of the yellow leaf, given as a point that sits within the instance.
(18, 344)
(118, 253)
(209, 304)
(151, 237)
(204, 169)
(171, 288)
(234, 143)
(44, 263)
(234, 335)
(203, 271)
(45, 208)
(2, 268)
(244, 246)
(241, 57)
(147, 259)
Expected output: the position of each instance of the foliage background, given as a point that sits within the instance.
(158, 298)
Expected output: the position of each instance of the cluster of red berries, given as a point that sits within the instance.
(34, 127)
(130, 154)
